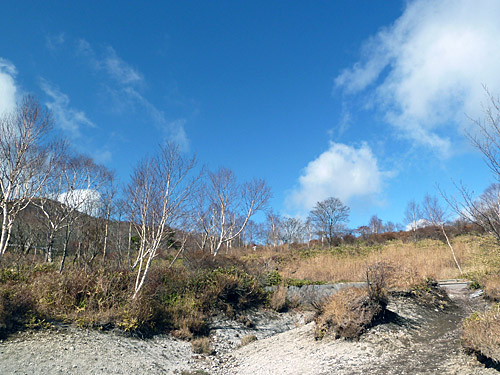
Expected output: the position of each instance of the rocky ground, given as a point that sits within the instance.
(416, 339)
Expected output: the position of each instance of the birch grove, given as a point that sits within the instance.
(225, 207)
(27, 157)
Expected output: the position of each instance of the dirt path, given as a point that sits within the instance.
(417, 340)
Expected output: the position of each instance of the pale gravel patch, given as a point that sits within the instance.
(422, 341)
(74, 351)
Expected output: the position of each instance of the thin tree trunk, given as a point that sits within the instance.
(65, 249)
(50, 245)
(118, 243)
(105, 245)
(452, 251)
(3, 238)
(178, 253)
(129, 243)
(78, 252)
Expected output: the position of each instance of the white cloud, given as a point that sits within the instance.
(67, 118)
(421, 223)
(174, 130)
(83, 200)
(343, 172)
(8, 88)
(426, 71)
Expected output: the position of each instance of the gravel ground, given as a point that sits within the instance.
(418, 340)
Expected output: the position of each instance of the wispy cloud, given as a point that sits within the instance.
(54, 41)
(122, 72)
(68, 119)
(124, 86)
(109, 62)
(177, 133)
(8, 87)
(427, 69)
(343, 172)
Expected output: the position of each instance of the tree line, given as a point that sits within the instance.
(56, 202)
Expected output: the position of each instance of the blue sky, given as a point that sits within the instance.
(363, 100)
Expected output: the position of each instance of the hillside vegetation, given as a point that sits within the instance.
(180, 299)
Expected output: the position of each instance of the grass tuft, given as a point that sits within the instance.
(481, 333)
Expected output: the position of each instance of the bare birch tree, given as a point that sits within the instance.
(26, 160)
(108, 195)
(292, 230)
(157, 193)
(228, 206)
(376, 226)
(412, 215)
(71, 191)
(485, 209)
(273, 222)
(487, 136)
(436, 215)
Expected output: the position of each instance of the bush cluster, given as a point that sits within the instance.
(179, 301)
(348, 314)
(481, 334)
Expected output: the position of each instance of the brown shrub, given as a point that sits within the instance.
(89, 298)
(491, 286)
(245, 340)
(481, 333)
(377, 277)
(348, 313)
(16, 308)
(202, 346)
(278, 300)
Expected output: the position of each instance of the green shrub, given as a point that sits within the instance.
(177, 300)
(228, 289)
(273, 278)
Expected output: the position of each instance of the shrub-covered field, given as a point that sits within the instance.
(180, 299)
(175, 300)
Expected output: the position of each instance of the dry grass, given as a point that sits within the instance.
(202, 346)
(491, 286)
(278, 300)
(173, 300)
(481, 333)
(245, 340)
(347, 314)
(425, 259)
